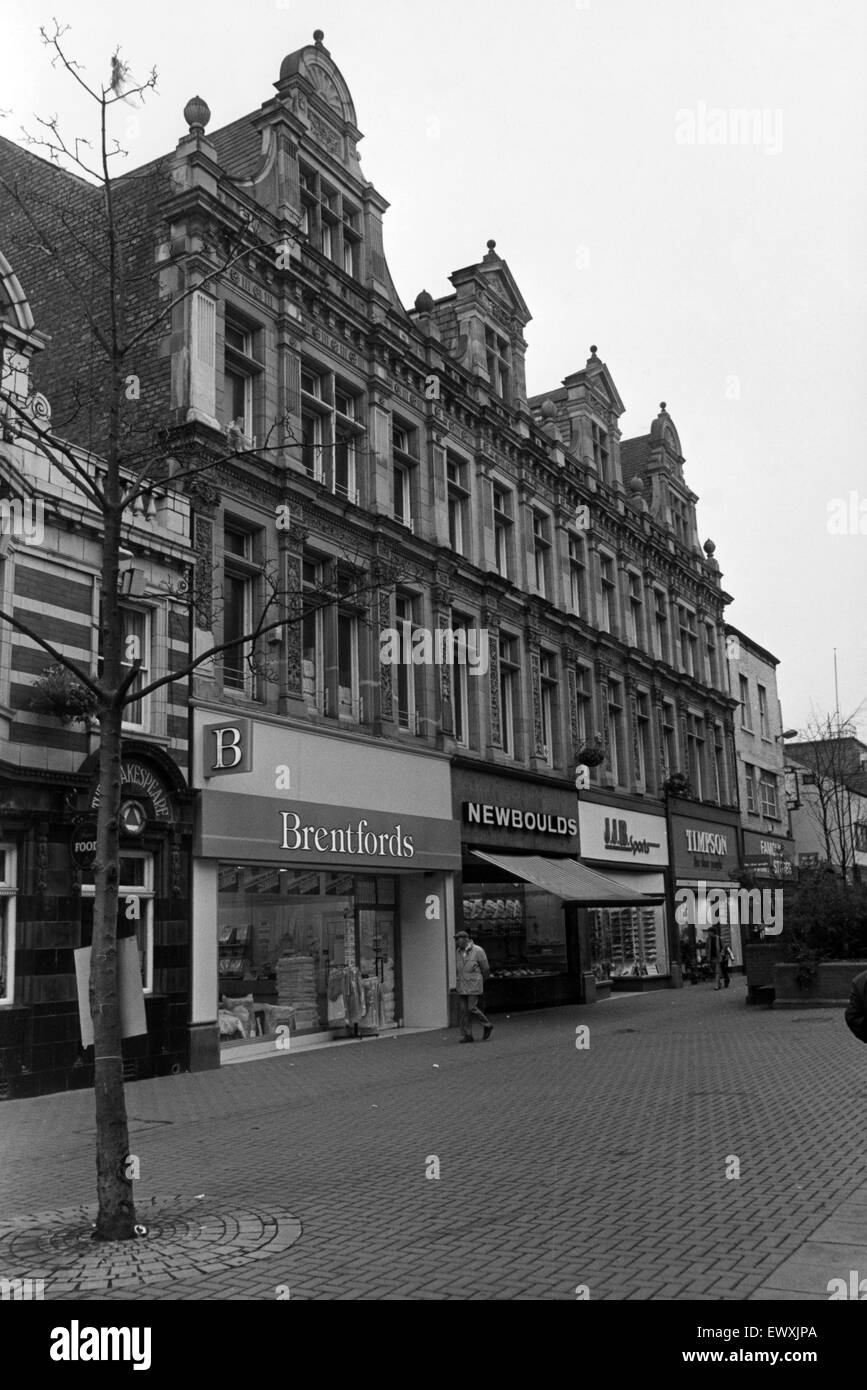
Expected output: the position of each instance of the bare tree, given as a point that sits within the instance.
(133, 459)
(833, 805)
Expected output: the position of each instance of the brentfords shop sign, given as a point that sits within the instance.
(348, 839)
(510, 818)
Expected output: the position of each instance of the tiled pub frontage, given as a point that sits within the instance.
(46, 898)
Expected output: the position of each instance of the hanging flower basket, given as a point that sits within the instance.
(592, 754)
(57, 692)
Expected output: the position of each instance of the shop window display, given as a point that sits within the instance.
(520, 929)
(311, 950)
(627, 941)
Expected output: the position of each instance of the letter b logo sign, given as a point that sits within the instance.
(227, 748)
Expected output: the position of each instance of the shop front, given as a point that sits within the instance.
(523, 891)
(627, 945)
(323, 896)
(48, 847)
(706, 863)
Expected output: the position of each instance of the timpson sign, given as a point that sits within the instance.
(702, 846)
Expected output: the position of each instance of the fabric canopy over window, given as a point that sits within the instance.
(571, 880)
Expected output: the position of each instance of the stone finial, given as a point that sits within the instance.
(592, 349)
(424, 302)
(492, 245)
(662, 407)
(318, 36)
(548, 409)
(197, 113)
(709, 548)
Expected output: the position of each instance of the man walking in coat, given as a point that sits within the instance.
(472, 972)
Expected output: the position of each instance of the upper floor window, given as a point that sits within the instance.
(642, 715)
(688, 639)
(240, 572)
(461, 686)
(312, 683)
(583, 680)
(404, 442)
(503, 519)
(746, 712)
(768, 788)
(669, 738)
(607, 593)
(330, 426)
(763, 711)
(616, 746)
(635, 613)
(407, 708)
(695, 752)
(660, 625)
(750, 775)
(331, 222)
(548, 701)
(498, 363)
(8, 885)
(601, 456)
(679, 517)
(458, 502)
(710, 661)
(136, 647)
(509, 667)
(240, 373)
(542, 552)
(719, 764)
(577, 575)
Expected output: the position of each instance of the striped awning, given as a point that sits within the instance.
(570, 880)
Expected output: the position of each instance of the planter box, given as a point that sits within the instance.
(760, 958)
(830, 989)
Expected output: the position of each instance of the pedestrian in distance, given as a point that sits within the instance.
(726, 961)
(472, 972)
(714, 954)
(856, 1009)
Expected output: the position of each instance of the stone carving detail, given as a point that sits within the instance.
(175, 871)
(448, 719)
(536, 679)
(606, 723)
(325, 135)
(42, 865)
(572, 696)
(665, 770)
(294, 610)
(494, 680)
(386, 691)
(203, 544)
(636, 754)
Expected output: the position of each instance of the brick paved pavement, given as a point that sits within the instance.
(559, 1166)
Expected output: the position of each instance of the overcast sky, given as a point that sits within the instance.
(717, 262)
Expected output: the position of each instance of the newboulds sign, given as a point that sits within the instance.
(512, 818)
(704, 848)
(310, 833)
(628, 838)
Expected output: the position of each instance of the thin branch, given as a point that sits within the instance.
(66, 661)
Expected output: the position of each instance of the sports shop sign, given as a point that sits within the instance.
(616, 836)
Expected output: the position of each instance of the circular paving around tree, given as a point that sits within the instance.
(185, 1236)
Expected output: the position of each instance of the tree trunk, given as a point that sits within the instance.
(116, 1218)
